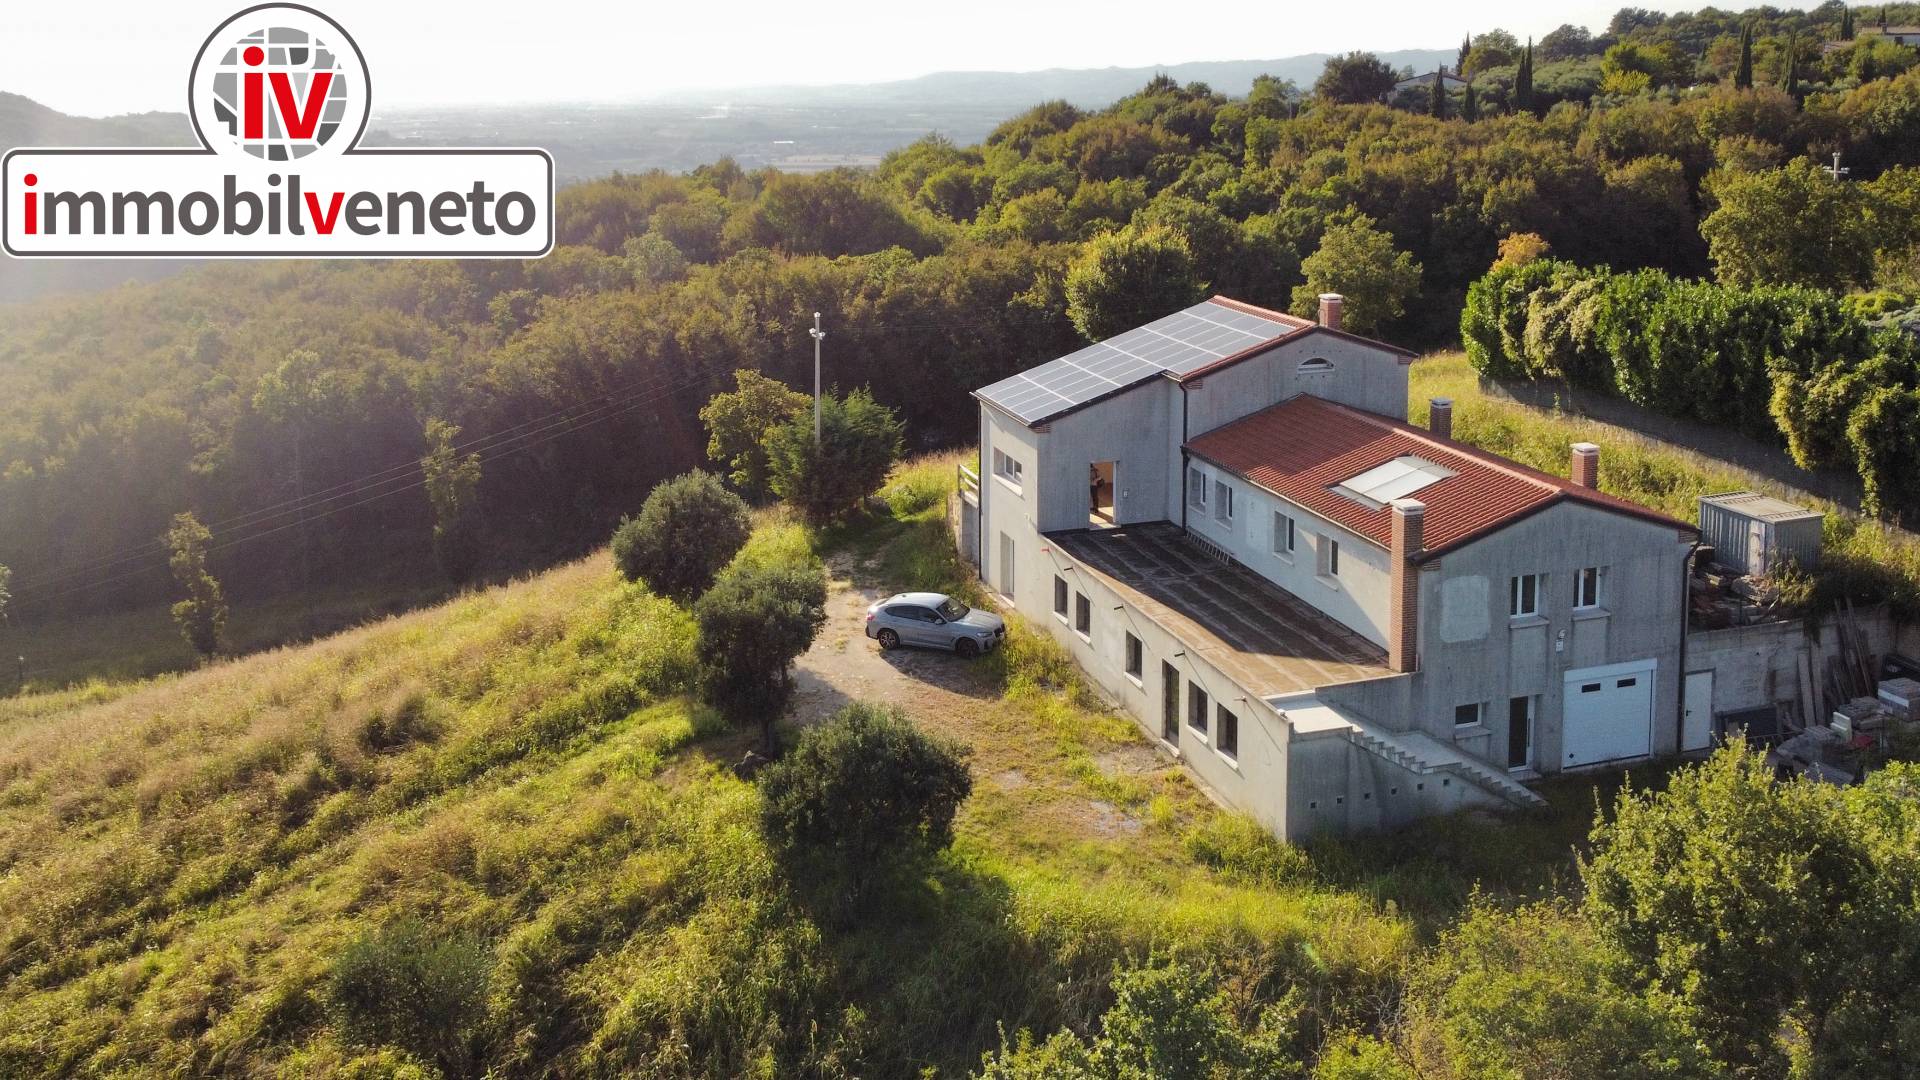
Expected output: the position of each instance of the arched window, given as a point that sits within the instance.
(1319, 365)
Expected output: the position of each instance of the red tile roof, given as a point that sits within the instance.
(1302, 447)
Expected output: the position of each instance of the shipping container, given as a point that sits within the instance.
(1753, 533)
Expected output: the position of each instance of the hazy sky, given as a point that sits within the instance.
(99, 57)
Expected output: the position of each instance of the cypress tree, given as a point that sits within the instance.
(1743, 75)
(1791, 81)
(1523, 81)
(1469, 108)
(1466, 48)
(1846, 24)
(1439, 105)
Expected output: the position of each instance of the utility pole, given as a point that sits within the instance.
(1834, 170)
(818, 335)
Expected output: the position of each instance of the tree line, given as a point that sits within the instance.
(359, 423)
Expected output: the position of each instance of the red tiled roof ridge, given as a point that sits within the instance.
(1245, 308)
(1485, 457)
(1547, 489)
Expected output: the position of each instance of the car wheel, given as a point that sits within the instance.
(967, 647)
(888, 639)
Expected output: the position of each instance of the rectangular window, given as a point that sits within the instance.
(1329, 549)
(1196, 708)
(1466, 715)
(1222, 501)
(1082, 615)
(1060, 596)
(1523, 595)
(1135, 658)
(1226, 736)
(1282, 535)
(1196, 489)
(1586, 588)
(1007, 468)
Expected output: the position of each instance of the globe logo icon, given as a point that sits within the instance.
(280, 93)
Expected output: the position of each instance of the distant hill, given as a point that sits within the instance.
(1086, 87)
(25, 122)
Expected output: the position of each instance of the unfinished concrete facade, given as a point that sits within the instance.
(1336, 620)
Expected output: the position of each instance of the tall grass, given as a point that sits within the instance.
(1863, 559)
(520, 773)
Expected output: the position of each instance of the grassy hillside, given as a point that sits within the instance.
(1865, 559)
(519, 773)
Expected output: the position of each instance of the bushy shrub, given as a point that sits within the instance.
(406, 985)
(859, 443)
(861, 792)
(688, 529)
(1168, 1021)
(752, 624)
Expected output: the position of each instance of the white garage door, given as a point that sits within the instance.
(1608, 714)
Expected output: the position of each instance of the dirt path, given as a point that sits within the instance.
(1013, 756)
(844, 664)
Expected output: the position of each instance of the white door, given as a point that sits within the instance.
(1696, 722)
(1607, 714)
(1006, 565)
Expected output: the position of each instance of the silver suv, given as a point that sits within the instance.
(934, 619)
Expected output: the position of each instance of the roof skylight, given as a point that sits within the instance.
(1397, 479)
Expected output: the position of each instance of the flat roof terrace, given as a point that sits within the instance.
(1264, 637)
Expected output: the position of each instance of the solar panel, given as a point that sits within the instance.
(1181, 343)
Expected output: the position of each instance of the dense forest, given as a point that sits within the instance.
(287, 405)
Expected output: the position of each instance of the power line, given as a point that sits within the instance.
(493, 454)
(347, 489)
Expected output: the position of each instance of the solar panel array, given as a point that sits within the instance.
(1182, 342)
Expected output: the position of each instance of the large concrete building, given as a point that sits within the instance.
(1335, 619)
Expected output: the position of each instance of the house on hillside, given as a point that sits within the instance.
(1425, 82)
(1899, 35)
(1336, 619)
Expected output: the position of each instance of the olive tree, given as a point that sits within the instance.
(753, 623)
(687, 530)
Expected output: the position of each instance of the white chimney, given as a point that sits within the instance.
(1330, 305)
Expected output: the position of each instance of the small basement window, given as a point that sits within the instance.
(1196, 489)
(1082, 615)
(1466, 715)
(1060, 596)
(1222, 501)
(1196, 708)
(1227, 734)
(1329, 550)
(1135, 657)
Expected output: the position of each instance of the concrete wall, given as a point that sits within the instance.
(1256, 779)
(1470, 650)
(1134, 431)
(1363, 377)
(1340, 787)
(1005, 510)
(1756, 666)
(1358, 598)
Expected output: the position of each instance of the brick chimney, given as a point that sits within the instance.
(1440, 417)
(1330, 305)
(1403, 619)
(1586, 464)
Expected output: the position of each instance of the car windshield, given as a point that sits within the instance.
(951, 609)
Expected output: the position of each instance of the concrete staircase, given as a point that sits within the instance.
(1424, 755)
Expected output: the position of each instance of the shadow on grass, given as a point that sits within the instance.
(1431, 868)
(934, 958)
